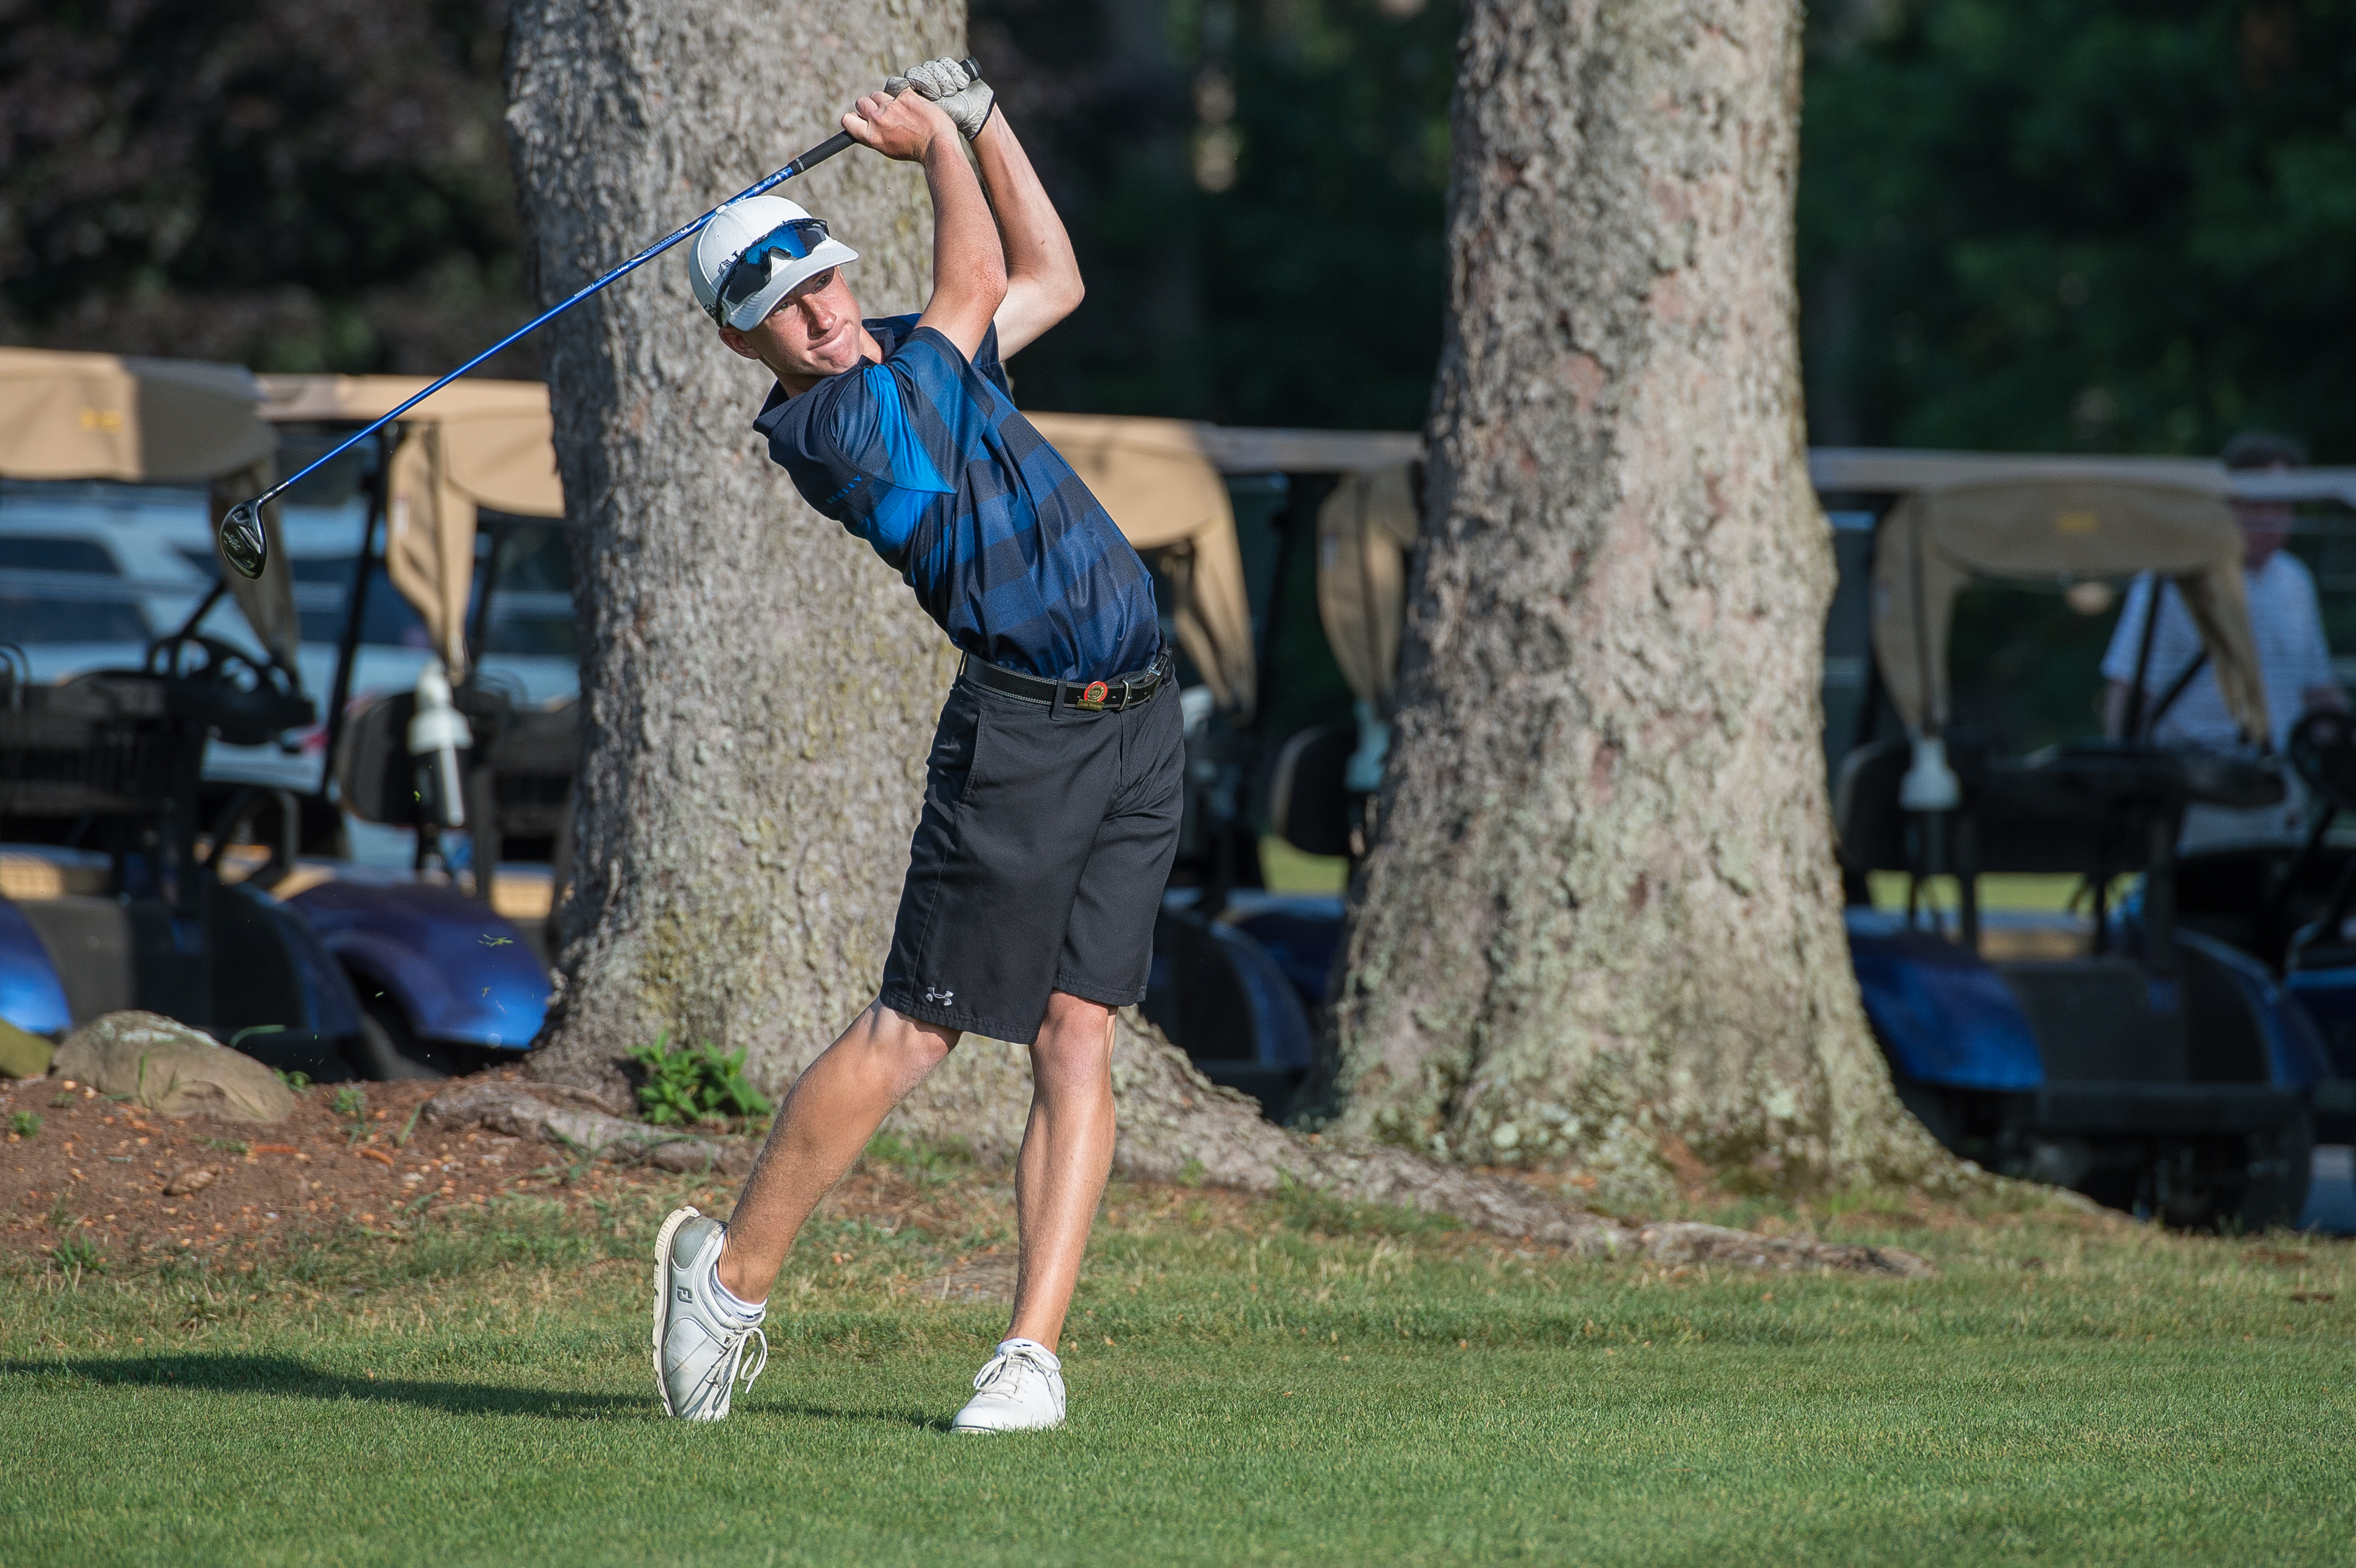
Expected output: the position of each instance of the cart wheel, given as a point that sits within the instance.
(389, 1048)
(2257, 1187)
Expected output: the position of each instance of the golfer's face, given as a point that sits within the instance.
(814, 331)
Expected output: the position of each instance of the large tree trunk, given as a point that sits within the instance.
(1601, 918)
(759, 688)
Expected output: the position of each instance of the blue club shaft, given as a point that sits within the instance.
(817, 155)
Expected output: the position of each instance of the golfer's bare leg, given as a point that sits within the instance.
(835, 1107)
(1066, 1155)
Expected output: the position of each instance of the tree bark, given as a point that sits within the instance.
(1600, 922)
(758, 688)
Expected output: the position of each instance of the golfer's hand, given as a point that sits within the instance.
(904, 127)
(964, 97)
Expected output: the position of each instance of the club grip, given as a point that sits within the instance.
(837, 143)
(840, 141)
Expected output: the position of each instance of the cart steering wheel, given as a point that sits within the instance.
(2322, 747)
(224, 662)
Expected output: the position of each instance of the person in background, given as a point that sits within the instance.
(2288, 625)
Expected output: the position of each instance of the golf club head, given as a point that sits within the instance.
(242, 544)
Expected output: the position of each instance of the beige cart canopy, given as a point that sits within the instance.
(477, 444)
(1891, 470)
(1967, 514)
(152, 421)
(1365, 531)
(2061, 525)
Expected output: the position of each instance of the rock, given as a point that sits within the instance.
(171, 1070)
(23, 1055)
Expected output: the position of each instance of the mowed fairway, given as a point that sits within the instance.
(1248, 1386)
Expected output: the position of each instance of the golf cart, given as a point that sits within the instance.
(130, 870)
(2265, 900)
(2161, 1069)
(111, 885)
(2138, 1053)
(460, 518)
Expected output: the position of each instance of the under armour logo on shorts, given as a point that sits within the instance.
(942, 998)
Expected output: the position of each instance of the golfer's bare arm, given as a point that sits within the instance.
(968, 266)
(1042, 275)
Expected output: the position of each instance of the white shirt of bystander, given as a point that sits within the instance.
(2287, 624)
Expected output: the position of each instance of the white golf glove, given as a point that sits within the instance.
(964, 97)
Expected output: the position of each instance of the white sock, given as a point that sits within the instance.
(1044, 1354)
(737, 1306)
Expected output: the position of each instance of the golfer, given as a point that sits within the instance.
(1052, 794)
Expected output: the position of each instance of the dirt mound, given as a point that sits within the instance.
(130, 1180)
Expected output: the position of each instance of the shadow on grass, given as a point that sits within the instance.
(289, 1377)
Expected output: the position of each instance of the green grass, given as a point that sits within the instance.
(1251, 1383)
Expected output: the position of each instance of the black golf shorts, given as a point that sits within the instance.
(1039, 862)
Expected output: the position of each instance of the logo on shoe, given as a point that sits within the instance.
(942, 998)
(687, 1295)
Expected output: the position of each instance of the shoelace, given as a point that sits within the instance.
(1012, 1366)
(723, 1371)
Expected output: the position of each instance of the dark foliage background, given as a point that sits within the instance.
(1256, 192)
(2127, 225)
(299, 185)
(2124, 224)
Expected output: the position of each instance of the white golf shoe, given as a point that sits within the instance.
(1021, 1389)
(700, 1346)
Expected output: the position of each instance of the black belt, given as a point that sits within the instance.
(1113, 696)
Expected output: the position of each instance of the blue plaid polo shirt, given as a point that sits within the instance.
(925, 458)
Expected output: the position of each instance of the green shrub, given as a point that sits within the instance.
(25, 1124)
(76, 1254)
(699, 1083)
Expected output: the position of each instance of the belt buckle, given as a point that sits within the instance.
(1092, 696)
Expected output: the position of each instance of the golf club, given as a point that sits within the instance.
(242, 542)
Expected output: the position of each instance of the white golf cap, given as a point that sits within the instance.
(731, 231)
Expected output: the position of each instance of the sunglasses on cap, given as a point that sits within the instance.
(749, 273)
